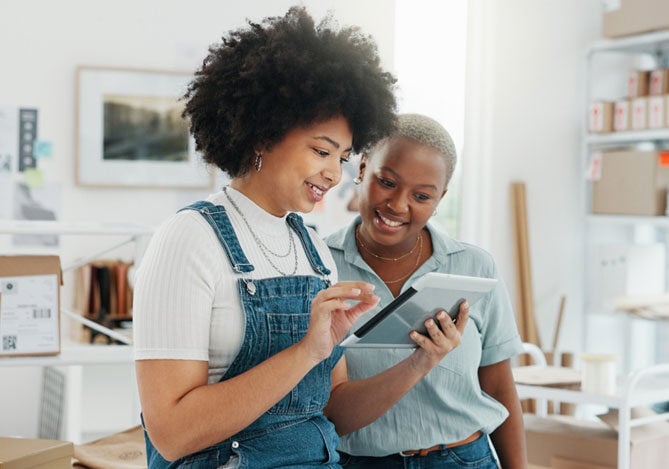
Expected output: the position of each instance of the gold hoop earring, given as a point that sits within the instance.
(258, 162)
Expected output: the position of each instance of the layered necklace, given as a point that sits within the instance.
(418, 245)
(264, 249)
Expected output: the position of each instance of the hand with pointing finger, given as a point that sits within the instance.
(332, 315)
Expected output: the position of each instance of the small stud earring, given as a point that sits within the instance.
(357, 180)
(258, 163)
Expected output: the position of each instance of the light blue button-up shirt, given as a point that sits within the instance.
(447, 405)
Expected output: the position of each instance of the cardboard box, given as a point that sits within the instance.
(631, 183)
(657, 112)
(626, 17)
(22, 453)
(30, 305)
(622, 115)
(564, 463)
(640, 113)
(658, 83)
(601, 116)
(637, 83)
(560, 440)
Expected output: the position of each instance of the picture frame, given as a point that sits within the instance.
(130, 132)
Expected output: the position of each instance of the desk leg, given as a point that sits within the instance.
(624, 436)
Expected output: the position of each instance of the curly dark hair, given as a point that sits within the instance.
(263, 80)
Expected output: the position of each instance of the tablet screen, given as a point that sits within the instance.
(434, 291)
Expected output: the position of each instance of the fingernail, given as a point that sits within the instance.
(355, 291)
(441, 315)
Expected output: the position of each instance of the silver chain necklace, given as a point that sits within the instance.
(266, 251)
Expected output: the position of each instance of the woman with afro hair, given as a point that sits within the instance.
(237, 311)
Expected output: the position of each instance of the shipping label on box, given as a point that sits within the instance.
(601, 116)
(656, 112)
(640, 113)
(622, 119)
(30, 305)
(29, 314)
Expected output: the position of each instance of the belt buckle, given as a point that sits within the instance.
(407, 455)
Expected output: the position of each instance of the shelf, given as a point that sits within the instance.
(628, 220)
(76, 354)
(648, 43)
(631, 137)
(72, 228)
(139, 234)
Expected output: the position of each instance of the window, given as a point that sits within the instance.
(430, 67)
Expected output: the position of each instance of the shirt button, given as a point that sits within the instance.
(235, 444)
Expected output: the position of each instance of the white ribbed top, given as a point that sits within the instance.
(186, 304)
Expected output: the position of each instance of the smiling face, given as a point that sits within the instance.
(403, 182)
(297, 172)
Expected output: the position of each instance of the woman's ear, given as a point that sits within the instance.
(363, 165)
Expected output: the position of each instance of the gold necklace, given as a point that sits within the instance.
(393, 259)
(413, 269)
(419, 244)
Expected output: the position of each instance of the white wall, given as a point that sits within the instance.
(525, 112)
(42, 43)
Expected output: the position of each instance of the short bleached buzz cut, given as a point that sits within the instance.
(428, 132)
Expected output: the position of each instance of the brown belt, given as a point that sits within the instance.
(426, 451)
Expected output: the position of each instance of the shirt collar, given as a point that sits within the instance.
(344, 240)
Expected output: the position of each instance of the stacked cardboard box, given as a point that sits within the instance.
(626, 17)
(567, 442)
(631, 182)
(30, 305)
(21, 453)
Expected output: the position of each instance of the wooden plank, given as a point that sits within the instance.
(529, 331)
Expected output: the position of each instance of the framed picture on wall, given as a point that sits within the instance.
(130, 132)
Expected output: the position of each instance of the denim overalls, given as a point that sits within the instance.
(294, 433)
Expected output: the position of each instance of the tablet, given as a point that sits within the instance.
(390, 327)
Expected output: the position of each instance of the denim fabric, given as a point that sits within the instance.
(293, 433)
(476, 454)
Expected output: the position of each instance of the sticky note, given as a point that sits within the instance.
(42, 149)
(33, 177)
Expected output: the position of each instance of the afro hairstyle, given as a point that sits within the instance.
(265, 79)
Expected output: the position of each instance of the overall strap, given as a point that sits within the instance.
(220, 223)
(296, 222)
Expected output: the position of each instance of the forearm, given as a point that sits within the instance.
(208, 414)
(354, 404)
(509, 438)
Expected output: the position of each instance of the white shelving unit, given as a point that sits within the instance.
(646, 385)
(649, 50)
(641, 388)
(74, 356)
